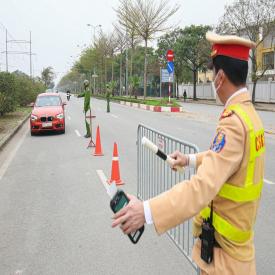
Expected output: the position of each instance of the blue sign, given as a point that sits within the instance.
(166, 77)
(170, 67)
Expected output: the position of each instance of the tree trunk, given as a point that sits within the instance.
(145, 70)
(120, 75)
(254, 75)
(194, 84)
(131, 60)
(177, 85)
(254, 91)
(177, 91)
(131, 69)
(105, 74)
(101, 74)
(112, 69)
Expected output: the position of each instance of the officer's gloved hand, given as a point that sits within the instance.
(179, 159)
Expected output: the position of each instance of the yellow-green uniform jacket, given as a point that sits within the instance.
(87, 98)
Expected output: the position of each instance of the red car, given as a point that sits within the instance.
(48, 114)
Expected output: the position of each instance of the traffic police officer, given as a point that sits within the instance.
(229, 175)
(87, 97)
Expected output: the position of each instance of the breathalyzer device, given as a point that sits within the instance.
(119, 201)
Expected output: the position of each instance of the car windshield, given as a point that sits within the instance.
(43, 101)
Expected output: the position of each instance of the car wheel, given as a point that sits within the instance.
(32, 133)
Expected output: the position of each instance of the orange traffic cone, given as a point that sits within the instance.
(115, 177)
(98, 150)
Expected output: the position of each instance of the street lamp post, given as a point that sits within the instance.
(94, 76)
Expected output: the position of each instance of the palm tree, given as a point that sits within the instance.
(134, 84)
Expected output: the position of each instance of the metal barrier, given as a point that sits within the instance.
(155, 176)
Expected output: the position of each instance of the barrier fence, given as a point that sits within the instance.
(155, 176)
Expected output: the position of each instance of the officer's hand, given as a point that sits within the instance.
(179, 159)
(131, 217)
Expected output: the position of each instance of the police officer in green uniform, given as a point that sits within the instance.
(87, 98)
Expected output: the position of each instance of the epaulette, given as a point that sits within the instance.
(226, 113)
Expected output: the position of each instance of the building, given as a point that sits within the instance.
(266, 56)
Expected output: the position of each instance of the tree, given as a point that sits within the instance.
(121, 42)
(193, 49)
(254, 19)
(147, 18)
(47, 76)
(7, 93)
(134, 84)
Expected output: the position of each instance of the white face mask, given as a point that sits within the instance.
(216, 95)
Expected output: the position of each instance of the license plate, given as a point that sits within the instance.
(47, 124)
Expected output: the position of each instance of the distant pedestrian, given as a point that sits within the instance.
(184, 95)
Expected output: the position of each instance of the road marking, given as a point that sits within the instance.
(77, 133)
(69, 118)
(103, 180)
(7, 163)
(114, 116)
(269, 182)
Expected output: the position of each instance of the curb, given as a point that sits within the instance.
(13, 132)
(151, 108)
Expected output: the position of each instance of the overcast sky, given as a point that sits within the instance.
(59, 26)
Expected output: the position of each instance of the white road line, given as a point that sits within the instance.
(103, 180)
(69, 118)
(114, 116)
(77, 133)
(269, 182)
(7, 163)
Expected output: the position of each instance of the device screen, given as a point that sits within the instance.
(122, 202)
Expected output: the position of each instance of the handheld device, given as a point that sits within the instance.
(208, 238)
(119, 201)
(154, 148)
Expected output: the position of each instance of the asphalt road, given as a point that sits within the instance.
(54, 212)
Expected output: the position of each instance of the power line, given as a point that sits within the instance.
(10, 40)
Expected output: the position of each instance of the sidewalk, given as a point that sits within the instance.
(10, 124)
(268, 107)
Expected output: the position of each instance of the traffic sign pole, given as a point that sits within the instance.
(169, 89)
(170, 69)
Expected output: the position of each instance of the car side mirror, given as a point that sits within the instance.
(64, 103)
(31, 104)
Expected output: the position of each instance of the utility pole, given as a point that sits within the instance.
(13, 41)
(30, 54)
(7, 65)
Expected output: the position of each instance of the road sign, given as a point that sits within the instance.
(165, 76)
(170, 67)
(170, 55)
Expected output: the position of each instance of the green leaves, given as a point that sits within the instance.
(17, 89)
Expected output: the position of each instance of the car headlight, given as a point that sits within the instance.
(60, 116)
(33, 117)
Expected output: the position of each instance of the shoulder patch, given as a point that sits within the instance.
(226, 113)
(218, 142)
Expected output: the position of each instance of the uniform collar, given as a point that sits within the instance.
(239, 96)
